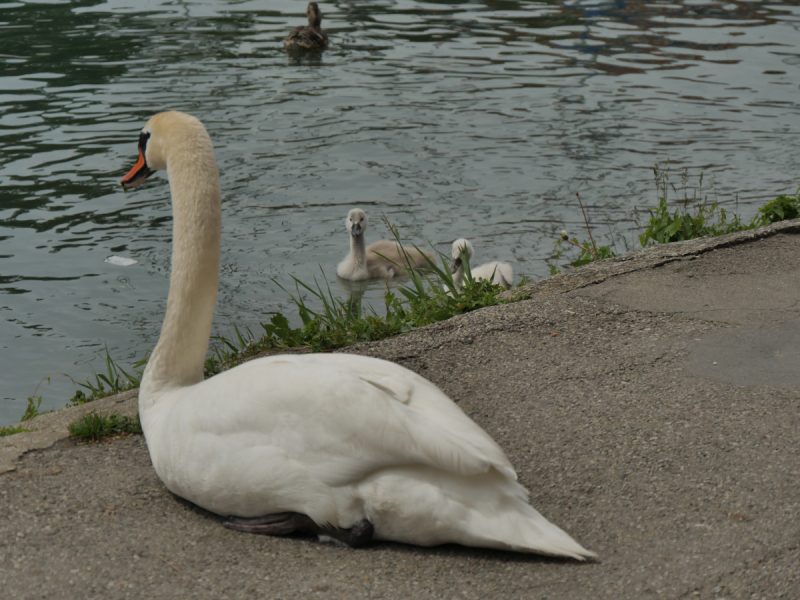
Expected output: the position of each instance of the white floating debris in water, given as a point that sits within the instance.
(121, 261)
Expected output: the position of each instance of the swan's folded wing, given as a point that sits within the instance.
(425, 399)
(345, 416)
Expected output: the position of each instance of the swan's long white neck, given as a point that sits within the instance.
(358, 249)
(197, 227)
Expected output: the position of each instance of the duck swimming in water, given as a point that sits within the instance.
(309, 37)
(343, 446)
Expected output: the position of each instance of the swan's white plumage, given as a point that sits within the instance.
(367, 418)
(499, 273)
(339, 438)
(380, 260)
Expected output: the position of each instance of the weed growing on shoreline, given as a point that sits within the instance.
(116, 378)
(94, 426)
(427, 298)
(664, 227)
(32, 410)
(589, 250)
(12, 429)
(693, 218)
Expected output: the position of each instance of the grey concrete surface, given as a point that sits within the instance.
(682, 476)
(755, 292)
(45, 430)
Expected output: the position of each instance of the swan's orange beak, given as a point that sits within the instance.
(137, 174)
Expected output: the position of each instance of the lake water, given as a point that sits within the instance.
(478, 119)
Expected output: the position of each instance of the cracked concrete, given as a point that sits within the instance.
(602, 389)
(756, 293)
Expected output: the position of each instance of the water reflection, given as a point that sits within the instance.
(474, 119)
(354, 293)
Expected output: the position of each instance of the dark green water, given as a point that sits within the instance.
(478, 119)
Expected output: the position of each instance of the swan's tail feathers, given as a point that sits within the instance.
(510, 523)
(506, 274)
(526, 530)
(428, 507)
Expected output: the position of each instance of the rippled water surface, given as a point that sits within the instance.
(478, 119)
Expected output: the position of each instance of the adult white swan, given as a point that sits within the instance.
(499, 273)
(344, 446)
(379, 260)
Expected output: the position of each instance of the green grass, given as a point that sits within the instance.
(12, 429)
(588, 250)
(426, 298)
(694, 216)
(94, 426)
(32, 410)
(113, 381)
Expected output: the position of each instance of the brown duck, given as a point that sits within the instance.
(311, 36)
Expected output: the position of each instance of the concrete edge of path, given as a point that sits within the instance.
(648, 258)
(47, 429)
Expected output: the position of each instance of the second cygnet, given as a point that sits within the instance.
(499, 273)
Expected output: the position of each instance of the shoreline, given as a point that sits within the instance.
(48, 428)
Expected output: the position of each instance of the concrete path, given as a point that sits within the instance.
(650, 403)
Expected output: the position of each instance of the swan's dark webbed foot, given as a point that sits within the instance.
(289, 522)
(274, 524)
(358, 535)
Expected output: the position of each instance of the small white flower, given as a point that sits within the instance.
(564, 235)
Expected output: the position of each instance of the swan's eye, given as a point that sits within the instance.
(143, 137)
